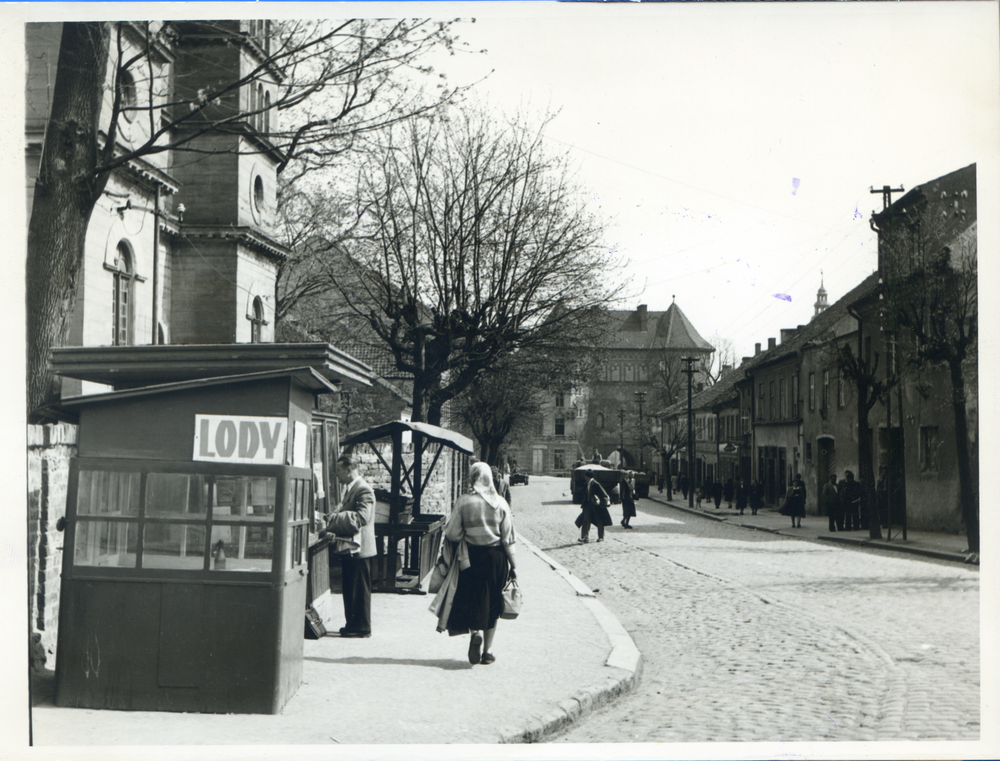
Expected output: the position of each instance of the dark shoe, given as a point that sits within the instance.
(600, 538)
(628, 526)
(474, 648)
(351, 634)
(583, 540)
(487, 659)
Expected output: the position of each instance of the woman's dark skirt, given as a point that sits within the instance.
(479, 597)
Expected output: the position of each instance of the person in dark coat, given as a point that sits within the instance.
(595, 511)
(729, 492)
(716, 494)
(831, 503)
(628, 501)
(683, 483)
(756, 497)
(795, 503)
(850, 501)
(742, 495)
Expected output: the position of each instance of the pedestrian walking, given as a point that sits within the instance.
(595, 511)
(353, 524)
(501, 483)
(756, 497)
(742, 495)
(473, 602)
(729, 492)
(795, 502)
(850, 501)
(628, 500)
(716, 494)
(683, 483)
(831, 504)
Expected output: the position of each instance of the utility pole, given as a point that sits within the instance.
(689, 371)
(896, 457)
(640, 395)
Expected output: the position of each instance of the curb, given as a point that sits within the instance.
(970, 559)
(955, 557)
(624, 655)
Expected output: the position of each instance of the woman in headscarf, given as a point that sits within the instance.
(484, 520)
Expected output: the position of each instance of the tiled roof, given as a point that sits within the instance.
(664, 330)
(815, 329)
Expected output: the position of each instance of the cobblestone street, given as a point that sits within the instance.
(749, 636)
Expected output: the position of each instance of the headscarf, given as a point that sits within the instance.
(482, 484)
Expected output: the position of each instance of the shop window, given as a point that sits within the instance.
(105, 543)
(929, 445)
(123, 275)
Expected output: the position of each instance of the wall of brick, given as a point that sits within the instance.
(50, 448)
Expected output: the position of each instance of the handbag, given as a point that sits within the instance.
(511, 599)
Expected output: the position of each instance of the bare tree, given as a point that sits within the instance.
(932, 297)
(337, 82)
(474, 245)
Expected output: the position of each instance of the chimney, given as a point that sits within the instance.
(726, 369)
(756, 349)
(747, 359)
(787, 334)
(641, 311)
(771, 343)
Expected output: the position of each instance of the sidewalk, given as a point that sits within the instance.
(564, 656)
(931, 544)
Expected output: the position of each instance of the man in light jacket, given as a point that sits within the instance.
(355, 520)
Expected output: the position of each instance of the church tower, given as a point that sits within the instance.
(821, 302)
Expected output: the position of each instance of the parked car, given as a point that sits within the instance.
(606, 477)
(642, 484)
(517, 477)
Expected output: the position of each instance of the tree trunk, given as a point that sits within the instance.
(66, 192)
(866, 474)
(968, 493)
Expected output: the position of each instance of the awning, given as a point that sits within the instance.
(431, 433)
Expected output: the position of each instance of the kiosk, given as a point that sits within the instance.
(403, 520)
(184, 576)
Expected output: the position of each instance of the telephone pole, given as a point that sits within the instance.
(896, 491)
(689, 372)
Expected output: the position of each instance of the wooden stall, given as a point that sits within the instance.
(184, 574)
(403, 522)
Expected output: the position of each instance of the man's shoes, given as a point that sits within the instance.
(600, 538)
(353, 634)
(474, 648)
(487, 659)
(583, 540)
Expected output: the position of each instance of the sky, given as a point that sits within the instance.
(730, 148)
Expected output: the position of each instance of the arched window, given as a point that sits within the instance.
(126, 86)
(599, 420)
(257, 321)
(121, 302)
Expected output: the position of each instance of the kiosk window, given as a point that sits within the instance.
(297, 537)
(106, 543)
(173, 545)
(108, 493)
(175, 495)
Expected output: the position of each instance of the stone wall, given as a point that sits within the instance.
(49, 450)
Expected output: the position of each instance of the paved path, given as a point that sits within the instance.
(749, 636)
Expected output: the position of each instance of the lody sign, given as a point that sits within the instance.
(240, 439)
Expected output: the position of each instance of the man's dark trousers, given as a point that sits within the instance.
(357, 582)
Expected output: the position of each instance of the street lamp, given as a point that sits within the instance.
(689, 371)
